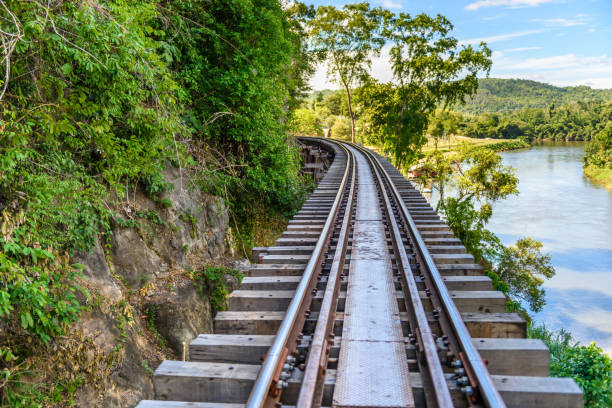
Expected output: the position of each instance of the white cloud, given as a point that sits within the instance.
(380, 70)
(501, 37)
(495, 17)
(596, 318)
(319, 80)
(563, 22)
(508, 3)
(594, 64)
(521, 49)
(391, 4)
(562, 70)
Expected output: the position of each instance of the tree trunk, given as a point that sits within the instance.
(351, 114)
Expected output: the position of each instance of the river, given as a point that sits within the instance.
(572, 217)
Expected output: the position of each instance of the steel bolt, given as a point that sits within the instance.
(463, 381)
(467, 390)
(460, 371)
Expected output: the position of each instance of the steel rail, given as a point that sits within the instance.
(441, 393)
(486, 388)
(316, 364)
(259, 396)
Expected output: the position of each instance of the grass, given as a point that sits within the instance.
(599, 175)
(453, 142)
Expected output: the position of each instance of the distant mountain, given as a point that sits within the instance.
(507, 95)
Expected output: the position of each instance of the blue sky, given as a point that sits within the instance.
(561, 42)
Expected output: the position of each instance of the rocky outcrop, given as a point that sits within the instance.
(97, 273)
(145, 306)
(180, 315)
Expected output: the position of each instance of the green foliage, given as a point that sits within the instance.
(213, 280)
(599, 175)
(468, 224)
(480, 180)
(110, 104)
(306, 123)
(505, 145)
(442, 124)
(510, 95)
(574, 121)
(101, 97)
(89, 106)
(523, 267)
(341, 129)
(233, 58)
(347, 38)
(481, 176)
(588, 365)
(150, 317)
(38, 295)
(152, 216)
(430, 68)
(599, 149)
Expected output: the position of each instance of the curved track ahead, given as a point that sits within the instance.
(367, 300)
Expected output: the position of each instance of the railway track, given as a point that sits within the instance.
(366, 300)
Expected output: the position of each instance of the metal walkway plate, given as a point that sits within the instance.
(372, 366)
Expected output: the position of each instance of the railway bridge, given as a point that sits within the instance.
(367, 300)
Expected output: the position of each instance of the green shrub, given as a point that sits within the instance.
(589, 366)
(38, 294)
(241, 69)
(212, 280)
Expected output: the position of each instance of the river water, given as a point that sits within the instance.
(572, 217)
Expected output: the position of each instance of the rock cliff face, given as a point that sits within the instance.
(146, 308)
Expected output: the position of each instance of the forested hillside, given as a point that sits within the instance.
(496, 95)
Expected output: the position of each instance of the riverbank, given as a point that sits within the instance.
(454, 142)
(599, 176)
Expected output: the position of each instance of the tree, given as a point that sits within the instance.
(348, 38)
(599, 149)
(437, 131)
(242, 67)
(306, 123)
(481, 179)
(523, 267)
(341, 129)
(430, 69)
